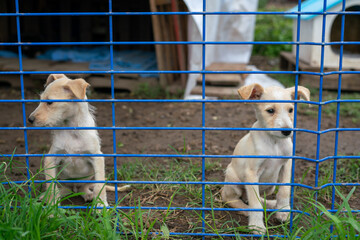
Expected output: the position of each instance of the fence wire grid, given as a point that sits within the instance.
(25, 128)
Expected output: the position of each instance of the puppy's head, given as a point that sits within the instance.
(58, 86)
(274, 115)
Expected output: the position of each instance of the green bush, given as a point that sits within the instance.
(274, 28)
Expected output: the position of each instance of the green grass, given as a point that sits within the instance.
(273, 28)
(349, 110)
(29, 217)
(347, 171)
(147, 91)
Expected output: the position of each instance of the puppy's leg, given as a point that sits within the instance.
(99, 188)
(231, 194)
(88, 190)
(269, 203)
(50, 174)
(283, 195)
(255, 218)
(119, 189)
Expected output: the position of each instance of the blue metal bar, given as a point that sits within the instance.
(338, 109)
(182, 72)
(179, 156)
(320, 98)
(193, 183)
(176, 43)
(172, 13)
(295, 118)
(203, 117)
(186, 128)
(18, 31)
(203, 102)
(178, 100)
(113, 95)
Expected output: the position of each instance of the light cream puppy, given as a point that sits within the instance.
(272, 143)
(71, 114)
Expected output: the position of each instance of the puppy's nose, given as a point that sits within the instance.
(31, 119)
(286, 133)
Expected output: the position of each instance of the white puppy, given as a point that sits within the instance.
(273, 143)
(71, 114)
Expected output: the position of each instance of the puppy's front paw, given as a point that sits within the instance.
(101, 206)
(88, 196)
(282, 216)
(258, 229)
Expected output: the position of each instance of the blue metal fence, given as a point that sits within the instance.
(19, 44)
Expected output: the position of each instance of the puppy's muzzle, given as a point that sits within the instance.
(286, 133)
(31, 119)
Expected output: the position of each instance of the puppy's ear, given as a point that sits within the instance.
(303, 93)
(53, 77)
(251, 92)
(77, 88)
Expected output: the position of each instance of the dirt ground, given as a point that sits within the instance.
(136, 114)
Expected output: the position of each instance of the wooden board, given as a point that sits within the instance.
(349, 82)
(120, 83)
(64, 66)
(28, 64)
(14, 81)
(32, 80)
(288, 63)
(224, 79)
(170, 28)
(216, 91)
(220, 79)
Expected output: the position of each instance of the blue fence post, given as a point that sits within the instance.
(18, 31)
(338, 106)
(298, 25)
(203, 43)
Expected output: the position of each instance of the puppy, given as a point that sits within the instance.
(71, 114)
(273, 143)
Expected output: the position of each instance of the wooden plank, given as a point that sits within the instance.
(221, 66)
(221, 79)
(166, 36)
(14, 81)
(216, 91)
(159, 49)
(119, 83)
(224, 79)
(350, 82)
(162, 2)
(292, 59)
(63, 66)
(29, 64)
(181, 51)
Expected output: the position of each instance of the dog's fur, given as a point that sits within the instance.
(71, 114)
(273, 143)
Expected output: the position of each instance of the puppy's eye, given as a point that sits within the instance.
(291, 110)
(271, 111)
(49, 103)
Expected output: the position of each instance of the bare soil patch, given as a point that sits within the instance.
(137, 114)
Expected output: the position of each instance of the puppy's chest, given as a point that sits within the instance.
(269, 168)
(75, 167)
(75, 143)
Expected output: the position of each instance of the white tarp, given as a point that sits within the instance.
(219, 28)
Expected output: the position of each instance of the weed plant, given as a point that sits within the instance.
(28, 216)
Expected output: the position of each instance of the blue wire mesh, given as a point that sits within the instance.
(111, 43)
